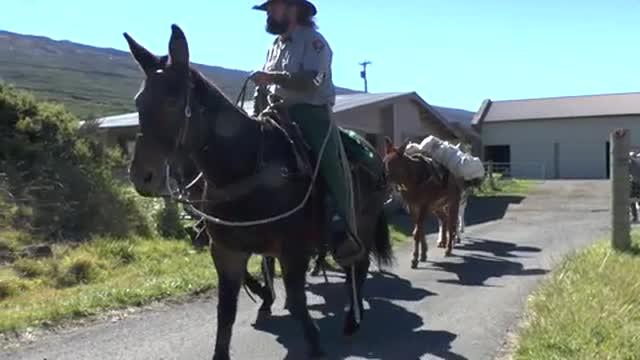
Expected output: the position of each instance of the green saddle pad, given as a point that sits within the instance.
(360, 151)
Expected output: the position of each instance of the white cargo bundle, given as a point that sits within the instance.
(458, 162)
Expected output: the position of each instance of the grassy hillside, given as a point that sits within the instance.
(90, 81)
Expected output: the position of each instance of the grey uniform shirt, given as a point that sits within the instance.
(305, 50)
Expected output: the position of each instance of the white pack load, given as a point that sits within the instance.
(458, 162)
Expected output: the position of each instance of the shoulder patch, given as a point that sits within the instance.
(318, 45)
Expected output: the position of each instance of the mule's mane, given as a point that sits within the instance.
(210, 94)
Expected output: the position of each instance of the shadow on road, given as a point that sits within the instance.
(479, 210)
(389, 331)
(475, 269)
(497, 248)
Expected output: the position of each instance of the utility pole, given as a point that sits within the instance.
(363, 74)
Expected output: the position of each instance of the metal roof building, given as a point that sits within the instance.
(399, 115)
(556, 138)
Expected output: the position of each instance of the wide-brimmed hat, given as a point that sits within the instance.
(309, 5)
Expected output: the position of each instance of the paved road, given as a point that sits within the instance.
(454, 308)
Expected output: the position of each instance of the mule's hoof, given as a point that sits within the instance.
(423, 258)
(414, 264)
(350, 328)
(441, 245)
(447, 253)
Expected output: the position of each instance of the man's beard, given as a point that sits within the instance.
(276, 27)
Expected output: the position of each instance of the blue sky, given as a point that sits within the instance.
(453, 53)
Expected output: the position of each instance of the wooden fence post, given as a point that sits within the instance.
(620, 189)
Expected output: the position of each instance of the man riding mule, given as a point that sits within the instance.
(256, 198)
(298, 71)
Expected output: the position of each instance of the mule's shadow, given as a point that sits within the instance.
(388, 331)
(476, 269)
(496, 248)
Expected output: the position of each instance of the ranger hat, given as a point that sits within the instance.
(306, 3)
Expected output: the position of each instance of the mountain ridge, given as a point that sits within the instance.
(91, 81)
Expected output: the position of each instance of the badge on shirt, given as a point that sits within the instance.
(318, 45)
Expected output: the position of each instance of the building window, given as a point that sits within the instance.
(500, 156)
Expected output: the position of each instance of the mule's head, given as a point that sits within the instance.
(163, 108)
(396, 164)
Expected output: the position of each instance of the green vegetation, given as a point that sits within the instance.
(589, 309)
(397, 236)
(505, 187)
(56, 183)
(101, 274)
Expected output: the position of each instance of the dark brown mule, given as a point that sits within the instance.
(252, 174)
(426, 187)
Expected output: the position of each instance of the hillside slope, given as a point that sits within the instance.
(90, 81)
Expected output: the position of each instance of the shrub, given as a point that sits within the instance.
(60, 178)
(168, 219)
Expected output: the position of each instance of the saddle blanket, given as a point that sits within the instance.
(460, 164)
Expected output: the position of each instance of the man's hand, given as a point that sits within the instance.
(262, 78)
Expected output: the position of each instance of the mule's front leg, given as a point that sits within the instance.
(294, 280)
(231, 268)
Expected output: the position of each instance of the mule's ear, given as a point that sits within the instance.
(178, 47)
(147, 61)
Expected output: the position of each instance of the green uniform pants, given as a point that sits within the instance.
(313, 122)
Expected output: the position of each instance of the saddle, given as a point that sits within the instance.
(430, 168)
(359, 152)
(278, 114)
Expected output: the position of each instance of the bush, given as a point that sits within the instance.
(59, 179)
(169, 223)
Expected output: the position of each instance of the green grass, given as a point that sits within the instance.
(397, 236)
(106, 274)
(100, 275)
(589, 309)
(506, 187)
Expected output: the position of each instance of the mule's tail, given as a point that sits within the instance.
(383, 250)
